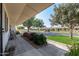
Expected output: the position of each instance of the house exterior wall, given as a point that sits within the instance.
(5, 39)
(5, 34)
(0, 29)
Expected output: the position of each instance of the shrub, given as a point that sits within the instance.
(39, 39)
(10, 51)
(20, 27)
(33, 36)
(43, 39)
(74, 50)
(33, 33)
(28, 35)
(17, 32)
(25, 34)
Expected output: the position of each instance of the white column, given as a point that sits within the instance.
(13, 28)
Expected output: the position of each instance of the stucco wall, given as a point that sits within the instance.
(5, 39)
(5, 34)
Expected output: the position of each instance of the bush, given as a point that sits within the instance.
(32, 36)
(20, 27)
(17, 32)
(39, 39)
(42, 39)
(28, 35)
(25, 34)
(74, 50)
(33, 33)
(10, 51)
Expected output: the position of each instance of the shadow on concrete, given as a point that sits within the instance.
(51, 50)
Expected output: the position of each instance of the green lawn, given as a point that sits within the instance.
(64, 39)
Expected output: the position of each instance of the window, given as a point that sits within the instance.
(6, 23)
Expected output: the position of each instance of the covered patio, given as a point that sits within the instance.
(24, 48)
(17, 14)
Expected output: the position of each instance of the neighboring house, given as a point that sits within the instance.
(65, 28)
(16, 13)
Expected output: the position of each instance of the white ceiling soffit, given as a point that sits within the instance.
(26, 14)
(30, 10)
(19, 12)
(13, 11)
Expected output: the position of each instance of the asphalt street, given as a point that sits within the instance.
(57, 34)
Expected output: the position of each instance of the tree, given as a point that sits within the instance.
(68, 15)
(38, 23)
(33, 22)
(29, 23)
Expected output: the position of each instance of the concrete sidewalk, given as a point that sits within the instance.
(23, 48)
(53, 49)
(59, 45)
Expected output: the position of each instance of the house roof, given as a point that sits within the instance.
(19, 12)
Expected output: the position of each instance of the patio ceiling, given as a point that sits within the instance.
(19, 12)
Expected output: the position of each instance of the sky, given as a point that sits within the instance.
(45, 15)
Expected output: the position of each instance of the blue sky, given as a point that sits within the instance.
(45, 15)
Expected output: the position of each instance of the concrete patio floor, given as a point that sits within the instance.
(23, 48)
